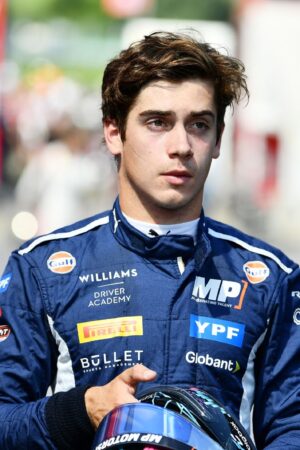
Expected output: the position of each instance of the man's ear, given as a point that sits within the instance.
(216, 152)
(112, 137)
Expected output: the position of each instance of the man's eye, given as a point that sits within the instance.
(156, 123)
(200, 125)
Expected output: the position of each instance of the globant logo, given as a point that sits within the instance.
(207, 360)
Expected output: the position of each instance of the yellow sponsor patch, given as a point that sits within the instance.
(98, 330)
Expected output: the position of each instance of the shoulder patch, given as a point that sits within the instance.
(61, 262)
(256, 271)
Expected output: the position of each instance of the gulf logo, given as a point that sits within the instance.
(61, 262)
(256, 271)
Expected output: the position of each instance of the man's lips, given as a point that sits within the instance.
(177, 177)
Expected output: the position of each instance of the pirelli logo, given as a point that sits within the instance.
(98, 330)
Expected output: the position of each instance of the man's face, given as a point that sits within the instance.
(169, 145)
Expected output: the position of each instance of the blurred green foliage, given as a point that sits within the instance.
(86, 13)
(91, 11)
(79, 10)
(94, 26)
(195, 9)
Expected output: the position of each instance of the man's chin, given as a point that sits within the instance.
(179, 206)
(177, 202)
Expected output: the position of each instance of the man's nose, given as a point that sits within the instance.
(179, 142)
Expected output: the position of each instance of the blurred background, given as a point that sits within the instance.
(54, 168)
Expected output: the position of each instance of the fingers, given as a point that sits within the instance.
(136, 374)
(99, 400)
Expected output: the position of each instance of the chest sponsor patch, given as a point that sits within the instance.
(256, 271)
(4, 282)
(107, 276)
(296, 316)
(125, 358)
(104, 297)
(207, 360)
(98, 330)
(61, 262)
(212, 329)
(4, 329)
(4, 332)
(213, 291)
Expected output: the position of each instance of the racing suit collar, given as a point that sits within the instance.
(159, 247)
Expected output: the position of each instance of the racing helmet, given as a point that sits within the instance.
(172, 418)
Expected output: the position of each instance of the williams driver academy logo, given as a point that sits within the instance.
(104, 297)
(111, 275)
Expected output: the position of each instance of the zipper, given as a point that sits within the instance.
(181, 265)
(181, 268)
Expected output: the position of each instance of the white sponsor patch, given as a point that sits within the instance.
(296, 316)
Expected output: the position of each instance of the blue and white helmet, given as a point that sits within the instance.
(172, 418)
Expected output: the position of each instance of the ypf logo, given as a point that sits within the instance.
(61, 262)
(231, 333)
(256, 271)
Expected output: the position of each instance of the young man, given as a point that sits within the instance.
(151, 290)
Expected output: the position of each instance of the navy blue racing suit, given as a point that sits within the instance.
(82, 304)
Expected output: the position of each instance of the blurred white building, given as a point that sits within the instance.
(268, 132)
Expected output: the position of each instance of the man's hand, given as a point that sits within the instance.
(99, 400)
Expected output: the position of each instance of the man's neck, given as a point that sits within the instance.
(146, 211)
(153, 229)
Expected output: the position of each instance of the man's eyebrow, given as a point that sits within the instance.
(192, 114)
(155, 112)
(204, 112)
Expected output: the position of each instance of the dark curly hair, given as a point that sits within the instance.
(171, 57)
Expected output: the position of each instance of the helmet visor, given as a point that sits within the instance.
(125, 427)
